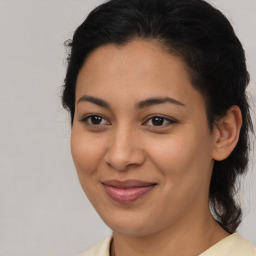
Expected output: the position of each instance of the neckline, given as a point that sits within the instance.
(219, 244)
(213, 247)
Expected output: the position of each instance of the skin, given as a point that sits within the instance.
(125, 143)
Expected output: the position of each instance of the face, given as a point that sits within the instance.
(140, 140)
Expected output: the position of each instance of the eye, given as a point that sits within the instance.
(159, 121)
(94, 120)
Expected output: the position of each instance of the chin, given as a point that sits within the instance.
(128, 230)
(128, 225)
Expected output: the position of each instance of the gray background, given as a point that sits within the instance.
(43, 210)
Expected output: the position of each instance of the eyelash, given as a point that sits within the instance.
(86, 118)
(166, 121)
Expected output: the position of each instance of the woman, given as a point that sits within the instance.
(160, 122)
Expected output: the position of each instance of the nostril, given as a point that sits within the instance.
(118, 164)
(124, 161)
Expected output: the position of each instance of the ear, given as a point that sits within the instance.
(226, 133)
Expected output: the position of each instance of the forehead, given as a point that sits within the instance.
(137, 53)
(137, 69)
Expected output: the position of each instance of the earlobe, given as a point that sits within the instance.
(226, 133)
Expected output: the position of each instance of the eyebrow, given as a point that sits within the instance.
(94, 100)
(140, 105)
(156, 101)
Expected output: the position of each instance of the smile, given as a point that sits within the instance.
(126, 191)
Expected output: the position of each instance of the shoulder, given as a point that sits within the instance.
(99, 249)
(234, 245)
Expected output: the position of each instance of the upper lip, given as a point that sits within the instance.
(127, 183)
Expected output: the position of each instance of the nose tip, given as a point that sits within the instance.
(121, 161)
(118, 164)
(124, 152)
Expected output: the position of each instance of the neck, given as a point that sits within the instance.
(179, 239)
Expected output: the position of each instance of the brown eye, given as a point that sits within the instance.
(159, 121)
(94, 120)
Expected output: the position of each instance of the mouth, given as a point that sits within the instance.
(127, 191)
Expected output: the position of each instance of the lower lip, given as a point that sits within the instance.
(126, 195)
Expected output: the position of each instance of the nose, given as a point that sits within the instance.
(124, 150)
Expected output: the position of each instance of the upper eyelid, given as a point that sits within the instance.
(90, 115)
(161, 116)
(86, 117)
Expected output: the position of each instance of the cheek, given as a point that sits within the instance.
(87, 152)
(185, 167)
(169, 154)
(182, 157)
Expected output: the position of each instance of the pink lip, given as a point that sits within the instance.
(127, 191)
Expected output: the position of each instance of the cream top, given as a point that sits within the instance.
(233, 245)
